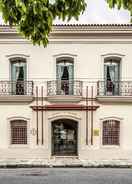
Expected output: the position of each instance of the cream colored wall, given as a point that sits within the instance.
(89, 65)
(95, 152)
(7, 113)
(41, 61)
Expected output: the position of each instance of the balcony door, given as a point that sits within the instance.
(18, 76)
(65, 76)
(112, 76)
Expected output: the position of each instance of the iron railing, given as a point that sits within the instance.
(114, 88)
(16, 88)
(67, 87)
(64, 87)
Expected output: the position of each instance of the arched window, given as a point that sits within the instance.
(111, 132)
(112, 75)
(65, 75)
(18, 75)
(18, 132)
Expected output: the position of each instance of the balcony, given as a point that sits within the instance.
(114, 91)
(64, 90)
(16, 91)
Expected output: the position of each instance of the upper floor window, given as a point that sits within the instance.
(64, 69)
(112, 75)
(111, 132)
(18, 69)
(18, 75)
(18, 132)
(65, 75)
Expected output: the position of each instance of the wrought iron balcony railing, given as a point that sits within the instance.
(114, 88)
(16, 88)
(64, 87)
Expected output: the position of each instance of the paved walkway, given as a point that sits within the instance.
(65, 176)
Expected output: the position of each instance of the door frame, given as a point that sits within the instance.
(77, 137)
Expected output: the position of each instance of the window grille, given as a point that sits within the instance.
(18, 132)
(111, 132)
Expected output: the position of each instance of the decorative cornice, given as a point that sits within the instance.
(114, 99)
(64, 107)
(77, 31)
(16, 99)
(92, 27)
(78, 28)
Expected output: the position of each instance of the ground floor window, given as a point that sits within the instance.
(18, 132)
(64, 137)
(111, 132)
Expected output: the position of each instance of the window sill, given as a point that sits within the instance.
(110, 146)
(65, 156)
(18, 146)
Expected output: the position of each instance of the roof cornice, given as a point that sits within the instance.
(92, 27)
(78, 28)
(61, 31)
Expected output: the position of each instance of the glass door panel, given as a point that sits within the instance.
(64, 138)
(112, 77)
(18, 76)
(65, 76)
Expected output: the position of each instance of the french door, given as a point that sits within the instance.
(18, 76)
(112, 77)
(65, 77)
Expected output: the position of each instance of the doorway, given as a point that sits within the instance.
(64, 137)
(18, 76)
(65, 76)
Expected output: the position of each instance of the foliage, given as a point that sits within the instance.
(126, 4)
(34, 18)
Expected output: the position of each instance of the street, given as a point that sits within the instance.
(65, 176)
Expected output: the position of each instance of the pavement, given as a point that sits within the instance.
(65, 176)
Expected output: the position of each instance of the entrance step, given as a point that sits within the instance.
(68, 161)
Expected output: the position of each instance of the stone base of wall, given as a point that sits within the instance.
(65, 162)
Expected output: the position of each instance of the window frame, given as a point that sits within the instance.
(111, 61)
(15, 118)
(18, 87)
(68, 89)
(15, 61)
(65, 56)
(112, 87)
(118, 56)
(101, 132)
(13, 57)
(116, 126)
(11, 137)
(63, 60)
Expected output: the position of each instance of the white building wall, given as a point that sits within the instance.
(90, 55)
(89, 66)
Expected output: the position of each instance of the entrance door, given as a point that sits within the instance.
(64, 137)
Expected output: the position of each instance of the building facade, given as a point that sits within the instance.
(69, 103)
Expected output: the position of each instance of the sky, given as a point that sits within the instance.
(98, 12)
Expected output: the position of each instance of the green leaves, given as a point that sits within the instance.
(34, 18)
(126, 4)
